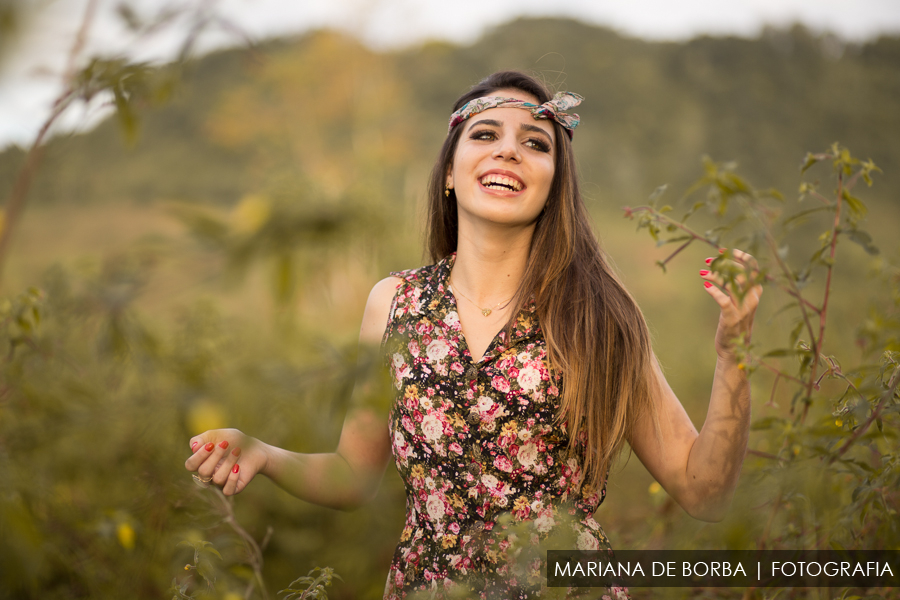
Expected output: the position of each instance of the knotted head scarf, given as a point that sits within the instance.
(553, 109)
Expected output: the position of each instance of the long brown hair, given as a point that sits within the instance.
(596, 335)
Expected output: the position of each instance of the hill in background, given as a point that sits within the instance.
(327, 110)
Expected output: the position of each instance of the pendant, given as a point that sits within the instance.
(486, 312)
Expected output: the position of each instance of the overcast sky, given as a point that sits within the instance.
(29, 71)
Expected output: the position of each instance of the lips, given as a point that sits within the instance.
(502, 181)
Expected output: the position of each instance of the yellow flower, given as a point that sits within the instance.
(251, 213)
(125, 533)
(203, 416)
(509, 429)
(520, 504)
(417, 472)
(407, 531)
(448, 541)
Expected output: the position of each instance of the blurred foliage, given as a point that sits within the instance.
(10, 22)
(351, 120)
(824, 468)
(307, 155)
(96, 405)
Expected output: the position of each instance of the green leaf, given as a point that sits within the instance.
(863, 239)
(857, 207)
(808, 162)
(658, 192)
(802, 216)
(787, 351)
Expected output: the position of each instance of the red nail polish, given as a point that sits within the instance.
(704, 272)
(194, 445)
(707, 284)
(236, 451)
(721, 250)
(209, 447)
(224, 444)
(236, 468)
(708, 261)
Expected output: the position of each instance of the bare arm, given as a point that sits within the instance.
(701, 470)
(343, 479)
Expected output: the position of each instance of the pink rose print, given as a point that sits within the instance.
(503, 463)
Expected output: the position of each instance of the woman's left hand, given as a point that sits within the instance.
(737, 297)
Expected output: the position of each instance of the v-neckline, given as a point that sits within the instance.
(463, 342)
(439, 286)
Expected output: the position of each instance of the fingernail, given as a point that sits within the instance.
(704, 272)
(224, 444)
(236, 451)
(707, 284)
(209, 447)
(236, 468)
(194, 445)
(708, 261)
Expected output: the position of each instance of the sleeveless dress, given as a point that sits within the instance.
(489, 487)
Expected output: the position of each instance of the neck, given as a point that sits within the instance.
(490, 261)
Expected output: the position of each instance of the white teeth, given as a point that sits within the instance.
(500, 182)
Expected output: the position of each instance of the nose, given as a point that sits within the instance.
(507, 148)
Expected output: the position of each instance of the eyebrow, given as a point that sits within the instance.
(525, 126)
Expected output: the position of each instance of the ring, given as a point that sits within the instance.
(201, 481)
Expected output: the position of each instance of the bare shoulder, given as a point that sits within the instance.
(378, 309)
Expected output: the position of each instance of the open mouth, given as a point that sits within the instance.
(502, 183)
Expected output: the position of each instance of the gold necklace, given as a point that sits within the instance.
(485, 311)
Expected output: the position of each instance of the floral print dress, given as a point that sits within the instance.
(488, 483)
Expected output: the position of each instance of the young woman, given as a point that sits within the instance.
(521, 366)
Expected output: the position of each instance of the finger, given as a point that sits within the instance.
(234, 479)
(737, 288)
(721, 298)
(713, 277)
(744, 258)
(201, 453)
(213, 458)
(748, 263)
(221, 474)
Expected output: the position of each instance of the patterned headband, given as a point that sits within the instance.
(548, 110)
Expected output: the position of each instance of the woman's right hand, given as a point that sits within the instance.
(226, 458)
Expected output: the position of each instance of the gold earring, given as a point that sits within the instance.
(447, 192)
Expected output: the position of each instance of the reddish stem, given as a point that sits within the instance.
(818, 342)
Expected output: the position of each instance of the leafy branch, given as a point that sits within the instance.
(853, 444)
(128, 83)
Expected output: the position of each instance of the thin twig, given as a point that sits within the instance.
(859, 431)
(818, 342)
(253, 549)
(16, 202)
(79, 42)
(779, 372)
(764, 455)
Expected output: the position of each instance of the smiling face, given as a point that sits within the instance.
(503, 166)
